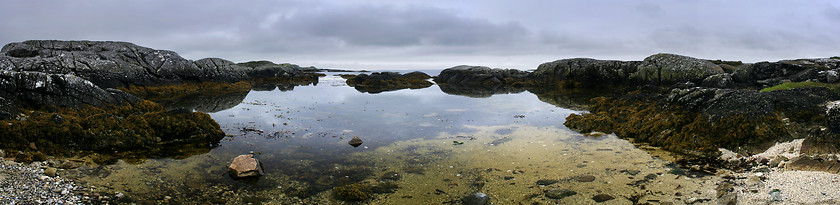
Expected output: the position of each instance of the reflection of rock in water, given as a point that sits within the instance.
(569, 99)
(269, 86)
(479, 91)
(204, 103)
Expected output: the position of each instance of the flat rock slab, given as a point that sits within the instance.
(245, 166)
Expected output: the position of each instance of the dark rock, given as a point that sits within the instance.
(650, 176)
(65, 90)
(670, 69)
(585, 178)
(833, 118)
(479, 76)
(355, 142)
(602, 198)
(587, 71)
(477, 198)
(245, 166)
(546, 182)
(389, 81)
(559, 193)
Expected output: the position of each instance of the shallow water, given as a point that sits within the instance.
(436, 147)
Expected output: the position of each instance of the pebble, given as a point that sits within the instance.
(559, 193)
(602, 198)
(586, 178)
(27, 184)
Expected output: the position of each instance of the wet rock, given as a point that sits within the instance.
(546, 182)
(585, 178)
(355, 142)
(389, 81)
(50, 171)
(602, 198)
(245, 166)
(559, 193)
(477, 198)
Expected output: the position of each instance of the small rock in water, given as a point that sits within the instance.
(355, 142)
(602, 198)
(50, 171)
(476, 199)
(559, 193)
(546, 182)
(245, 166)
(586, 178)
(632, 172)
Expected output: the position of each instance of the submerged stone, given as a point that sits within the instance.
(245, 166)
(355, 142)
(546, 182)
(559, 193)
(476, 199)
(602, 198)
(586, 178)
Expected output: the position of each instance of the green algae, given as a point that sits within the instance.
(835, 87)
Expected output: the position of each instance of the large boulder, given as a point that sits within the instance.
(479, 75)
(666, 68)
(245, 166)
(586, 70)
(115, 64)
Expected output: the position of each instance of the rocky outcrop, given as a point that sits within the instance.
(389, 81)
(29, 88)
(666, 68)
(110, 64)
(586, 71)
(479, 76)
(772, 73)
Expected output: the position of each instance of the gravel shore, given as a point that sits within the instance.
(27, 184)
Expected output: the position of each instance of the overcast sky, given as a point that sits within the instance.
(437, 34)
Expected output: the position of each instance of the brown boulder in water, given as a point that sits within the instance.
(245, 166)
(355, 142)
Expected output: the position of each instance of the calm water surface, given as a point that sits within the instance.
(420, 146)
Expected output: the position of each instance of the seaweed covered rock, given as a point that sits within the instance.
(140, 126)
(586, 71)
(480, 76)
(389, 81)
(666, 69)
(698, 121)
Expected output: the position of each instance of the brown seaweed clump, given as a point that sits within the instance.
(676, 129)
(144, 125)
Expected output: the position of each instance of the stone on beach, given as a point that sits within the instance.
(245, 166)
